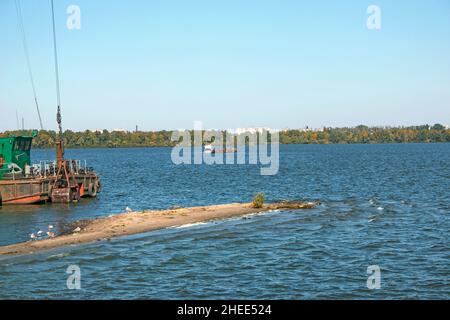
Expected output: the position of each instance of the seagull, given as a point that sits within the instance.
(32, 236)
(127, 209)
(39, 232)
(50, 234)
(50, 227)
(77, 229)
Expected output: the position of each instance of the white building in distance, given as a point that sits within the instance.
(253, 130)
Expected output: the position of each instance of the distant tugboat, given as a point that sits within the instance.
(62, 180)
(209, 149)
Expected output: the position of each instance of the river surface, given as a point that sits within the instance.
(383, 205)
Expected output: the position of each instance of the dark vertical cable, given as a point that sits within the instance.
(58, 95)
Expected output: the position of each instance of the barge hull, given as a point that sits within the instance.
(38, 190)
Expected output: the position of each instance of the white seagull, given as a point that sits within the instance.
(128, 209)
(50, 227)
(32, 236)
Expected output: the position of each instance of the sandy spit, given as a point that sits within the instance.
(139, 222)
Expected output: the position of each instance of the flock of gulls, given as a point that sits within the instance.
(49, 234)
(41, 234)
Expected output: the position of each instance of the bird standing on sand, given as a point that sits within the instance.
(50, 234)
(32, 236)
(127, 209)
(39, 232)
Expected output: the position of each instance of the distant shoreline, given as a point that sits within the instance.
(147, 139)
(304, 144)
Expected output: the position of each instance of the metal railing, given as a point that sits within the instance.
(9, 169)
(44, 168)
(47, 168)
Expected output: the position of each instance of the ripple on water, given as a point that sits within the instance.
(319, 253)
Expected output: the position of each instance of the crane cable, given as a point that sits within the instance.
(58, 94)
(25, 47)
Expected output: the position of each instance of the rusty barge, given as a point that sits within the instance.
(22, 182)
(61, 180)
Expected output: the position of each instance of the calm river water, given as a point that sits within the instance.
(385, 205)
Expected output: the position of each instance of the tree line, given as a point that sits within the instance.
(359, 134)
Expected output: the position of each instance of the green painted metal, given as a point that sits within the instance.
(14, 150)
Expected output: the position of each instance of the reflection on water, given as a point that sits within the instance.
(381, 204)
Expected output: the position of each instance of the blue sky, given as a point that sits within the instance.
(233, 63)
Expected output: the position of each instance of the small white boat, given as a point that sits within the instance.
(209, 149)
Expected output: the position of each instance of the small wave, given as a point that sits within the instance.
(250, 215)
(188, 225)
(59, 255)
(260, 213)
(380, 208)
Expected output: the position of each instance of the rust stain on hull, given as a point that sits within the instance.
(26, 200)
(39, 190)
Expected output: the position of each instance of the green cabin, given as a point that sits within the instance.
(14, 150)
